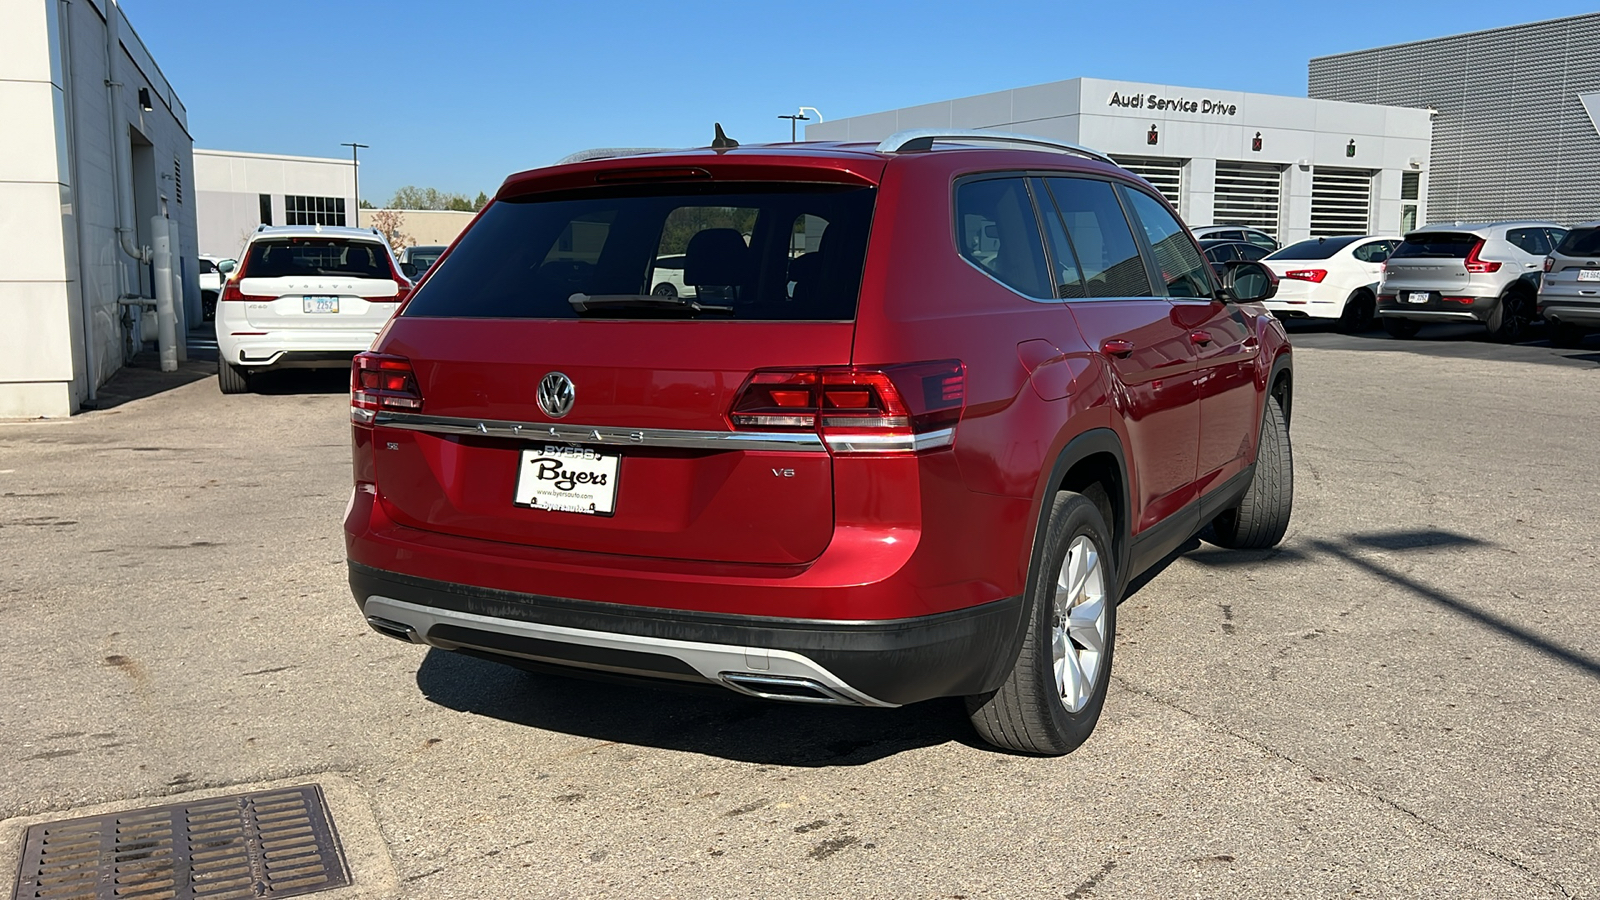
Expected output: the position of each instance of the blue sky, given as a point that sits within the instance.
(457, 95)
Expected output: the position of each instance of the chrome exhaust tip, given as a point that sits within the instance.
(785, 687)
(400, 631)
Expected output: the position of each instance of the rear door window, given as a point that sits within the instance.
(1221, 253)
(1101, 240)
(1436, 245)
(1529, 240)
(310, 257)
(1261, 240)
(1253, 252)
(662, 251)
(999, 234)
(1180, 264)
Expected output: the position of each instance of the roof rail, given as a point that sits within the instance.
(607, 153)
(924, 138)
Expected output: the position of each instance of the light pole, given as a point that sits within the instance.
(793, 120)
(355, 168)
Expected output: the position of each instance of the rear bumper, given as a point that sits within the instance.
(866, 663)
(1437, 309)
(292, 349)
(1587, 315)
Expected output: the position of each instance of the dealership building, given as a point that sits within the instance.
(1497, 124)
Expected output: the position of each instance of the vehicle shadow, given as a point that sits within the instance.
(710, 721)
(1350, 551)
(301, 381)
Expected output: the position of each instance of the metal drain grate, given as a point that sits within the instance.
(261, 844)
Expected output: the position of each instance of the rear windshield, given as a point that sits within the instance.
(762, 252)
(312, 256)
(1580, 242)
(1436, 244)
(1316, 248)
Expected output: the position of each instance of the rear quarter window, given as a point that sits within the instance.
(755, 251)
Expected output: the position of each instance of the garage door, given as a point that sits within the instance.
(1248, 194)
(1165, 175)
(1341, 201)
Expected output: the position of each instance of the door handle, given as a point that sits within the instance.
(1118, 348)
(1199, 338)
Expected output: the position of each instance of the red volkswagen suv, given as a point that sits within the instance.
(933, 403)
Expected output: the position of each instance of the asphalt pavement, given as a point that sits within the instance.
(1401, 700)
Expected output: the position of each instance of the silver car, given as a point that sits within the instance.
(1467, 273)
(1569, 293)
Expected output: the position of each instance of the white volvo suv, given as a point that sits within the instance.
(304, 296)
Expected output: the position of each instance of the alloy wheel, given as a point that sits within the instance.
(1078, 624)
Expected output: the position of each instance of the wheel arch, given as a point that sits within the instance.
(1094, 464)
(1280, 386)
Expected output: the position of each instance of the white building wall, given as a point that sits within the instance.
(229, 185)
(1297, 134)
(62, 332)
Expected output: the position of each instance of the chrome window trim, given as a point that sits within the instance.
(803, 441)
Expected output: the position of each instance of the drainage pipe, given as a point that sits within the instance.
(121, 152)
(166, 320)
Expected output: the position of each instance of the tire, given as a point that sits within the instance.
(1567, 337)
(1401, 328)
(208, 306)
(1511, 317)
(1262, 516)
(232, 379)
(664, 289)
(1031, 713)
(1359, 311)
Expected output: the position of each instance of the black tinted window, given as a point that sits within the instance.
(1436, 244)
(1374, 252)
(731, 247)
(1316, 248)
(1261, 240)
(207, 267)
(998, 233)
(1068, 276)
(1223, 252)
(1185, 273)
(1580, 242)
(312, 256)
(1107, 255)
(1529, 240)
(1254, 252)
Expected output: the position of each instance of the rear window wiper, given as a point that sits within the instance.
(582, 302)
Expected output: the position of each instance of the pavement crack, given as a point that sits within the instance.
(1086, 889)
(1357, 787)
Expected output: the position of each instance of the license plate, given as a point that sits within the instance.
(1417, 297)
(568, 478)
(321, 304)
(1589, 274)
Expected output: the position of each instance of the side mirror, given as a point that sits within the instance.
(227, 266)
(408, 270)
(1244, 281)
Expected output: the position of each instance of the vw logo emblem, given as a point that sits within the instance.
(556, 395)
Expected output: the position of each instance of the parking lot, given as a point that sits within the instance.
(1401, 700)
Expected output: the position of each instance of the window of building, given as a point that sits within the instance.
(1341, 201)
(1410, 190)
(1248, 194)
(177, 179)
(313, 210)
(266, 209)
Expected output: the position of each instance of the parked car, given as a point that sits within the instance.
(1220, 253)
(419, 259)
(1236, 233)
(667, 278)
(305, 296)
(1333, 278)
(213, 272)
(1569, 292)
(928, 467)
(1467, 273)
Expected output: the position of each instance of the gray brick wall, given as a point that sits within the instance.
(1511, 138)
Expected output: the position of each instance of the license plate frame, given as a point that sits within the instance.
(558, 477)
(315, 305)
(1418, 296)
(1589, 274)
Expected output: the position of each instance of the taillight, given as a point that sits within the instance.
(891, 409)
(1313, 275)
(1549, 263)
(231, 292)
(1476, 265)
(381, 381)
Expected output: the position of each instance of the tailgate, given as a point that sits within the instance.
(287, 304)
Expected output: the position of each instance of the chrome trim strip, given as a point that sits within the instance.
(801, 442)
(891, 443)
(711, 661)
(1403, 313)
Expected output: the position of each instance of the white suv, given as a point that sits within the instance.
(304, 296)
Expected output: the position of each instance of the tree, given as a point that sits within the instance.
(479, 203)
(413, 197)
(367, 204)
(388, 222)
